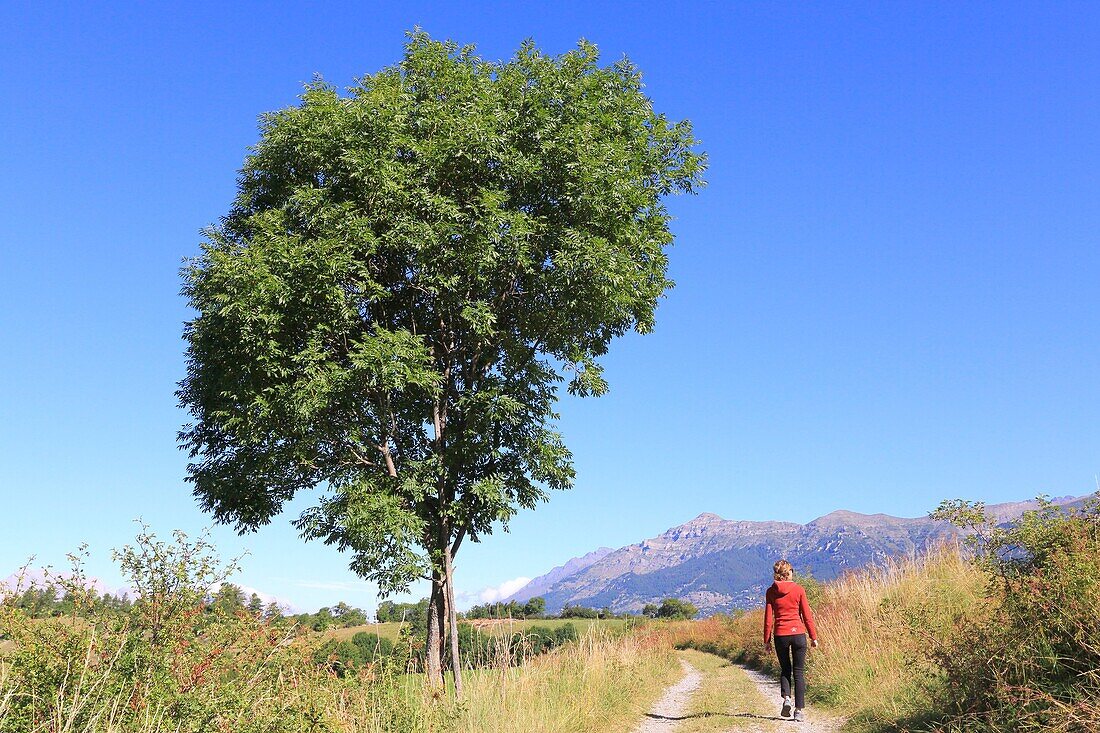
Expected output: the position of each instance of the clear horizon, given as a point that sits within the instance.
(886, 296)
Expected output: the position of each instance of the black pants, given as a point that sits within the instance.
(791, 651)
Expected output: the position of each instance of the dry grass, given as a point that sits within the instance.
(875, 627)
(602, 683)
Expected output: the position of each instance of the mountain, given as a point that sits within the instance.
(542, 584)
(721, 565)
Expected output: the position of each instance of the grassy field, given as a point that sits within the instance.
(386, 631)
(240, 678)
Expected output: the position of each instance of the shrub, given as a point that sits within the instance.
(1031, 662)
(172, 663)
(579, 612)
(498, 650)
(372, 646)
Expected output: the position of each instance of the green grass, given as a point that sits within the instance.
(386, 631)
(726, 700)
(583, 625)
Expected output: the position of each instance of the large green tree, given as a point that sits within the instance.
(409, 273)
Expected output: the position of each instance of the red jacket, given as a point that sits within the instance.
(787, 612)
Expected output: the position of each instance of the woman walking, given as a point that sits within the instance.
(788, 618)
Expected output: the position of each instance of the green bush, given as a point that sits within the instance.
(171, 662)
(579, 612)
(1032, 662)
(480, 650)
(372, 646)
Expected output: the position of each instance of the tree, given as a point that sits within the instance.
(349, 616)
(649, 610)
(323, 619)
(535, 607)
(674, 608)
(407, 276)
(578, 612)
(399, 612)
(384, 612)
(255, 605)
(228, 599)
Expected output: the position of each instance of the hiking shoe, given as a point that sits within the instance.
(799, 716)
(786, 711)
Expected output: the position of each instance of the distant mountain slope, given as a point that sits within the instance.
(721, 565)
(542, 584)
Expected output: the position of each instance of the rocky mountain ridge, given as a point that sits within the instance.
(722, 565)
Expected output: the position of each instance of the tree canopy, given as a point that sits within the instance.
(675, 608)
(409, 273)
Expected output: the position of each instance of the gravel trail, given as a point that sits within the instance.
(671, 708)
(818, 722)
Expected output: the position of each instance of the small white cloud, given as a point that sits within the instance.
(267, 599)
(493, 594)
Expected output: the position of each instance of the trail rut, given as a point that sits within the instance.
(671, 708)
(817, 722)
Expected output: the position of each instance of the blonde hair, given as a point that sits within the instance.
(782, 570)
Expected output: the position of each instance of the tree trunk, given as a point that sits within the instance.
(433, 644)
(441, 622)
(452, 619)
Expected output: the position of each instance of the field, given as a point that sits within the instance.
(492, 626)
(953, 641)
(240, 675)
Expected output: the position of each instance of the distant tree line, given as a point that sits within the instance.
(534, 608)
(390, 612)
(49, 601)
(477, 648)
(340, 616)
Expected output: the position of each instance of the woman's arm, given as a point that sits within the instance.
(807, 616)
(768, 621)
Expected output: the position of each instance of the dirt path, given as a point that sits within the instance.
(671, 708)
(716, 696)
(818, 721)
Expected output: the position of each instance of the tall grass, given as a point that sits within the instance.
(239, 674)
(603, 682)
(1002, 639)
(876, 628)
(173, 664)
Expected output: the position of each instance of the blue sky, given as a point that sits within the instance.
(887, 295)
